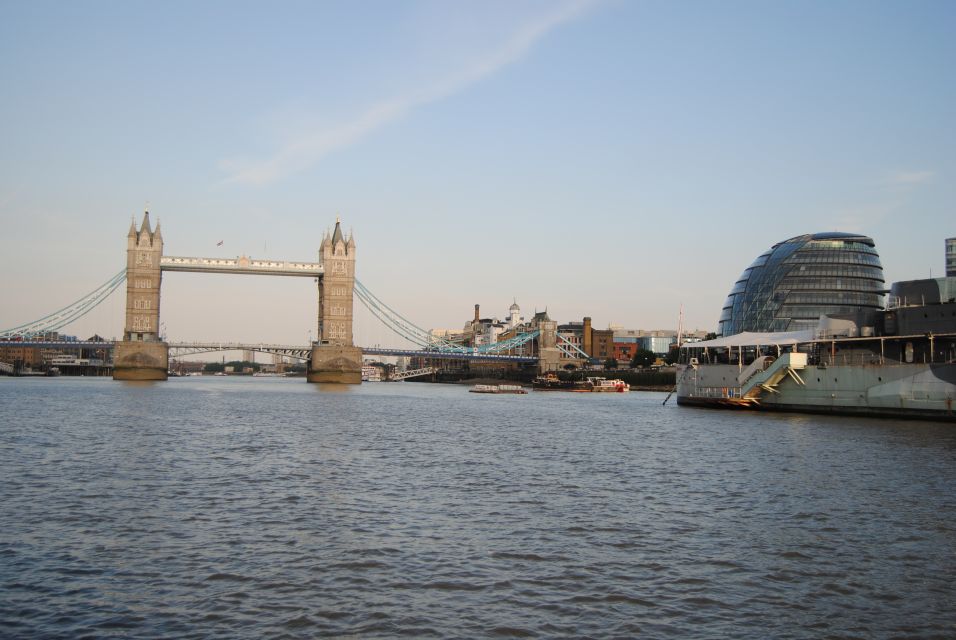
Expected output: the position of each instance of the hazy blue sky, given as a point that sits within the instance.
(612, 159)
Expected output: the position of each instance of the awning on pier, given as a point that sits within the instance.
(754, 339)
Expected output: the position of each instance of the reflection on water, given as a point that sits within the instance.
(324, 387)
(267, 507)
(138, 384)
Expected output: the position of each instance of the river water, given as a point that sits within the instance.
(267, 508)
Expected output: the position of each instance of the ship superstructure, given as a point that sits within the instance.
(900, 361)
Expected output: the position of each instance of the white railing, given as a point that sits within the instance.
(240, 265)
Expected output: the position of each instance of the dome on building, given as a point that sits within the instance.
(514, 307)
(798, 280)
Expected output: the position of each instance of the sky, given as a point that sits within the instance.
(616, 159)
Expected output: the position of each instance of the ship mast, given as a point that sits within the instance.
(680, 325)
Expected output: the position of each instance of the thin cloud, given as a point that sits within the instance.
(311, 146)
(889, 198)
(910, 178)
(862, 218)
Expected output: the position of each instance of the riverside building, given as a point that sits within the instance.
(951, 257)
(792, 284)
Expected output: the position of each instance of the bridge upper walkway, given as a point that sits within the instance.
(242, 265)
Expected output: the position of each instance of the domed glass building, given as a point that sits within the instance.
(798, 280)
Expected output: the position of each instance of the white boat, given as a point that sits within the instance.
(498, 388)
(603, 385)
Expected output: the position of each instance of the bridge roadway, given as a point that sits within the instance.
(57, 344)
(292, 351)
(192, 348)
(242, 264)
(303, 353)
(447, 355)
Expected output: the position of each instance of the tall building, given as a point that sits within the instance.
(792, 284)
(951, 257)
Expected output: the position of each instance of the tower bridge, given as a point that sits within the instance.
(143, 354)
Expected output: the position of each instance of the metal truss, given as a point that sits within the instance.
(569, 349)
(67, 314)
(192, 348)
(510, 343)
(412, 373)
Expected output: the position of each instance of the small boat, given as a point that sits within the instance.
(551, 382)
(603, 385)
(497, 388)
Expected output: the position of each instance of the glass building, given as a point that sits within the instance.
(951, 257)
(798, 280)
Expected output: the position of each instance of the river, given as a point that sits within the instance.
(268, 508)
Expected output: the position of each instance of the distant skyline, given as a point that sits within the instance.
(608, 159)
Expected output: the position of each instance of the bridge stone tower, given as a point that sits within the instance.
(142, 355)
(334, 357)
(549, 357)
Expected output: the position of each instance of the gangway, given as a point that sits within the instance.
(757, 365)
(767, 379)
(412, 373)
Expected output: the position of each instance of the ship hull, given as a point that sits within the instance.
(916, 391)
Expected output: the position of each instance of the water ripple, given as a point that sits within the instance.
(268, 508)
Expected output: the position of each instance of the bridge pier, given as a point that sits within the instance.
(140, 360)
(549, 356)
(339, 364)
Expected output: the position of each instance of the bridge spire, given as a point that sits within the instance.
(145, 228)
(337, 234)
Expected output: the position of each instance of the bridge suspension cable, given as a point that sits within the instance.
(69, 313)
(398, 323)
(388, 316)
(415, 334)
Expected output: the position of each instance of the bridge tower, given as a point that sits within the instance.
(549, 357)
(334, 356)
(142, 355)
